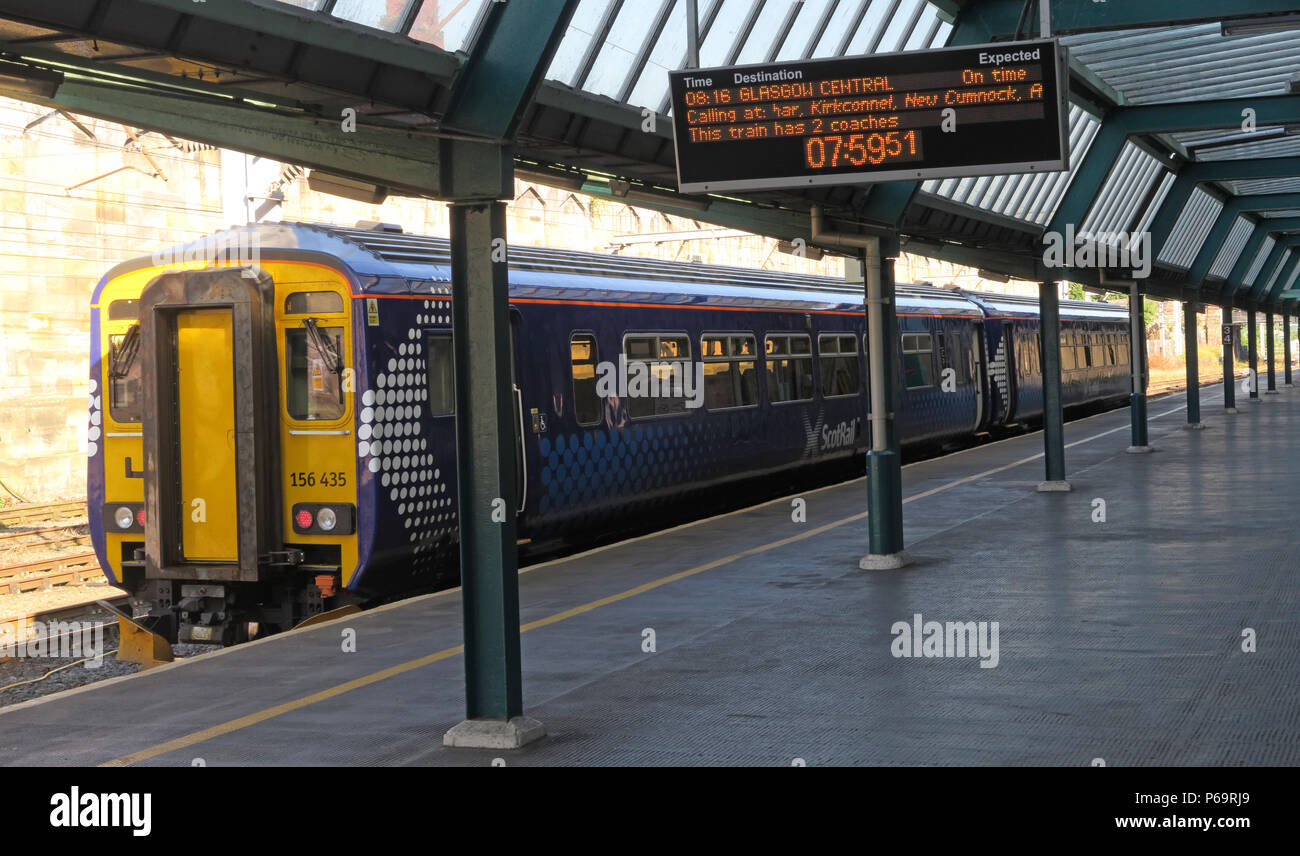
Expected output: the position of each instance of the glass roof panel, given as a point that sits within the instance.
(448, 24)
(577, 40)
(621, 48)
(381, 14)
(716, 47)
(846, 12)
(767, 28)
(805, 25)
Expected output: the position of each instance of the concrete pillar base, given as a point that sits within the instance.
(1230, 410)
(1055, 486)
(1195, 426)
(494, 733)
(885, 561)
(1270, 392)
(1140, 450)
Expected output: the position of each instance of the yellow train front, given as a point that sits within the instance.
(245, 403)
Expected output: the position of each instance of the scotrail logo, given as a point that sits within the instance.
(1106, 250)
(71, 640)
(75, 809)
(225, 250)
(951, 639)
(658, 379)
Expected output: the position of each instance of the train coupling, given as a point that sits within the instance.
(204, 616)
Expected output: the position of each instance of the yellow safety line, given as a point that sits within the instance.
(392, 671)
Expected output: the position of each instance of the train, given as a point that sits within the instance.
(272, 407)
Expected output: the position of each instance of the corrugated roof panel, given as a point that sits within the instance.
(1232, 247)
(1188, 63)
(1190, 229)
(1032, 198)
(1264, 249)
(1115, 206)
(1157, 199)
(1290, 281)
(1263, 185)
(1277, 270)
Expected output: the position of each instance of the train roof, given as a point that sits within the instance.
(1027, 307)
(384, 259)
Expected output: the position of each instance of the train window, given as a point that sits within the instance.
(1067, 359)
(918, 360)
(312, 302)
(442, 375)
(657, 367)
(124, 399)
(789, 367)
(124, 310)
(839, 364)
(313, 372)
(730, 371)
(582, 361)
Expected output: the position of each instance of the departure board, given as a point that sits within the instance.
(955, 112)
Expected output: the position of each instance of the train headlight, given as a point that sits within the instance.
(326, 519)
(303, 519)
(123, 517)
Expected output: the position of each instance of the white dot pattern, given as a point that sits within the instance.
(93, 431)
(391, 446)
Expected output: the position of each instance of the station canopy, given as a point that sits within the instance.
(1184, 122)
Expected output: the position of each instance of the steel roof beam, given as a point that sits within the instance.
(998, 17)
(1283, 277)
(1199, 172)
(510, 54)
(1213, 243)
(399, 159)
(256, 36)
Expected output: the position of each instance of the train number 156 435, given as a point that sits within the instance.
(324, 479)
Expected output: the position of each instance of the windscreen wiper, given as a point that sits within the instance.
(125, 353)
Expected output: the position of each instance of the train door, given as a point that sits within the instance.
(1009, 366)
(517, 397)
(977, 372)
(203, 352)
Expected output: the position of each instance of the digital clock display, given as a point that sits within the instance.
(984, 110)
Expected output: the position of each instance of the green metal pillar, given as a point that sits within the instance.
(1049, 313)
(884, 462)
(1268, 350)
(485, 469)
(1229, 362)
(1286, 348)
(1252, 351)
(1193, 368)
(1138, 397)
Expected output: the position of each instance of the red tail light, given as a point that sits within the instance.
(139, 517)
(303, 519)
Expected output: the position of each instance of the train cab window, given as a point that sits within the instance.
(789, 367)
(124, 400)
(582, 361)
(730, 371)
(312, 302)
(839, 364)
(124, 310)
(442, 375)
(918, 360)
(313, 382)
(657, 366)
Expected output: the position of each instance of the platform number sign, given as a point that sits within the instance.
(1227, 334)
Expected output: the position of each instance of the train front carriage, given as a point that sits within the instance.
(223, 473)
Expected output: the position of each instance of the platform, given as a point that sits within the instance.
(1119, 640)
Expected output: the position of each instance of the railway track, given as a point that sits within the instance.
(42, 511)
(15, 539)
(44, 574)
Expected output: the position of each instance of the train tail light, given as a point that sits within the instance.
(324, 518)
(139, 518)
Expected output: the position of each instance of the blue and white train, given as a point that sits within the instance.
(272, 411)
